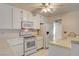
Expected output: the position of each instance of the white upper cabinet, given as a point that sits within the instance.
(36, 22)
(41, 19)
(27, 16)
(30, 21)
(5, 16)
(11, 17)
(17, 17)
(27, 20)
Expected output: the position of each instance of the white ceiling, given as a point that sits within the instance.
(67, 7)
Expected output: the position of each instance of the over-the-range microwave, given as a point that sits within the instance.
(27, 24)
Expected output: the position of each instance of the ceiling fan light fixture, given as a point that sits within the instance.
(48, 9)
(45, 10)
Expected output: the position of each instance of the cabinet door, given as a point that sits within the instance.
(17, 16)
(39, 43)
(5, 16)
(36, 22)
(27, 16)
(42, 18)
(17, 50)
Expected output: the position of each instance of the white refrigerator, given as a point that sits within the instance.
(45, 34)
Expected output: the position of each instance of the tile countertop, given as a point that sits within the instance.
(62, 43)
(66, 43)
(75, 40)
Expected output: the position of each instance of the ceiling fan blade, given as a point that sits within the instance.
(56, 6)
(38, 6)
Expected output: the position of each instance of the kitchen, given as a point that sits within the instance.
(26, 32)
(19, 28)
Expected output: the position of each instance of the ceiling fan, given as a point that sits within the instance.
(50, 5)
(46, 7)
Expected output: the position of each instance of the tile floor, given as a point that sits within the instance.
(42, 52)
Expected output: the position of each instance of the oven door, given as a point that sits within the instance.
(30, 44)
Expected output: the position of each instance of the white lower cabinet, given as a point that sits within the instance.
(75, 49)
(55, 50)
(39, 42)
(16, 46)
(17, 50)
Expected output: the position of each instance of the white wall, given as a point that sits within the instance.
(71, 22)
